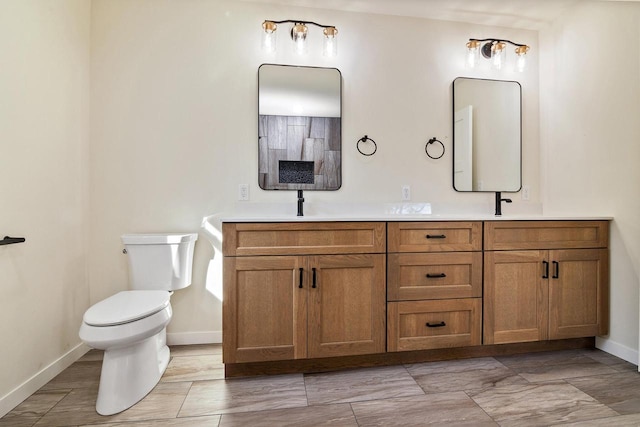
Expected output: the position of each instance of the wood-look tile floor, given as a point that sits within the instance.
(573, 388)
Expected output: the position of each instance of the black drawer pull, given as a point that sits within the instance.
(546, 269)
(301, 276)
(434, 276)
(556, 274)
(436, 325)
(436, 236)
(313, 284)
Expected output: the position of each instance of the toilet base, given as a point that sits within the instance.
(130, 373)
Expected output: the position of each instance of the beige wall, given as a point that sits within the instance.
(44, 129)
(173, 130)
(174, 121)
(590, 134)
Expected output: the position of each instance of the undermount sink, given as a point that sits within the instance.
(409, 209)
(325, 211)
(329, 210)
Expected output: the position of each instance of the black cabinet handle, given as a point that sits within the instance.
(301, 277)
(546, 269)
(11, 240)
(436, 325)
(436, 236)
(313, 284)
(556, 269)
(433, 276)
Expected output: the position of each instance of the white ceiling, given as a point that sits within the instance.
(524, 14)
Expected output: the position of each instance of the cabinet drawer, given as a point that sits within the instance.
(421, 325)
(434, 236)
(434, 276)
(505, 235)
(303, 238)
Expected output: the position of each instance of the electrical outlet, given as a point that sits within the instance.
(406, 193)
(525, 192)
(243, 192)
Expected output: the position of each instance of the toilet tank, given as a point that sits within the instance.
(160, 261)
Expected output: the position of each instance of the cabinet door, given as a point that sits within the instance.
(346, 305)
(515, 297)
(264, 309)
(578, 290)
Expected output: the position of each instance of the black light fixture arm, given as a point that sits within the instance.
(487, 46)
(498, 40)
(298, 21)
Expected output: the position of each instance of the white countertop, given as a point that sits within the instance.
(286, 212)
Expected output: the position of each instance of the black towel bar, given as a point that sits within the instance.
(11, 240)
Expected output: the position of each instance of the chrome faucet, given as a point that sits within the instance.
(499, 201)
(300, 203)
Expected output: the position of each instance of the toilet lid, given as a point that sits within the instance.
(125, 307)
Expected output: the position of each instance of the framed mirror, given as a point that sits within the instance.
(487, 135)
(299, 128)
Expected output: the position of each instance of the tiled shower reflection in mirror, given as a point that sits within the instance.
(299, 128)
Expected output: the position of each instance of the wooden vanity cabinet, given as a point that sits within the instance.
(545, 280)
(311, 296)
(325, 297)
(434, 285)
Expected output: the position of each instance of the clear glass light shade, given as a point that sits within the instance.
(498, 55)
(473, 53)
(330, 45)
(299, 36)
(269, 42)
(521, 62)
(495, 50)
(521, 57)
(269, 36)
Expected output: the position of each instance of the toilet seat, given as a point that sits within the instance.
(126, 307)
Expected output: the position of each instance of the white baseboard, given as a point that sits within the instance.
(33, 384)
(618, 350)
(189, 338)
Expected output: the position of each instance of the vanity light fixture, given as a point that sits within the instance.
(495, 50)
(299, 33)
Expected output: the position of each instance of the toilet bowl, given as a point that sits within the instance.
(125, 318)
(130, 326)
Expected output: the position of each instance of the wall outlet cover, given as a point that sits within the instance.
(406, 193)
(243, 192)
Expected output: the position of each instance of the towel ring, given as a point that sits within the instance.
(365, 139)
(431, 141)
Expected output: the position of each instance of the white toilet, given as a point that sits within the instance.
(131, 325)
